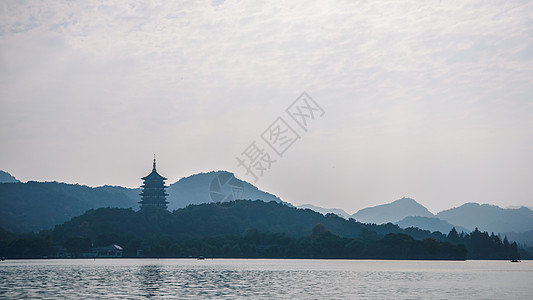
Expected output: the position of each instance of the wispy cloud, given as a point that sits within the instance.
(416, 82)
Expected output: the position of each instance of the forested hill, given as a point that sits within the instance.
(227, 218)
(33, 206)
(224, 229)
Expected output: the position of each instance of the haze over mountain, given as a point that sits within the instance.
(231, 218)
(337, 211)
(407, 212)
(431, 224)
(517, 207)
(215, 186)
(489, 218)
(523, 238)
(392, 212)
(219, 226)
(35, 206)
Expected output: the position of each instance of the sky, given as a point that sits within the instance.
(431, 100)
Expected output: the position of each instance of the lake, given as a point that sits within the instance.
(264, 278)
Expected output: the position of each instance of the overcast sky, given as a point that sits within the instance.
(425, 99)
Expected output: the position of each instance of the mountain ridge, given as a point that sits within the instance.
(32, 206)
(5, 177)
(392, 212)
(337, 211)
(214, 186)
(489, 217)
(431, 224)
(249, 218)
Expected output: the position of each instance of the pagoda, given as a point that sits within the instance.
(153, 194)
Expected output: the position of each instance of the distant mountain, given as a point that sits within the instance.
(131, 193)
(523, 238)
(239, 229)
(215, 186)
(254, 226)
(431, 224)
(337, 211)
(229, 218)
(6, 177)
(517, 207)
(392, 212)
(35, 206)
(489, 218)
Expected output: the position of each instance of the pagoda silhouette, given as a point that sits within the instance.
(153, 193)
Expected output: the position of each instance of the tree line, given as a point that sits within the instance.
(250, 229)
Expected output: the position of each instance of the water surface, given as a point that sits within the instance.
(268, 278)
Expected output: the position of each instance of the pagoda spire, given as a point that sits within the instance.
(154, 170)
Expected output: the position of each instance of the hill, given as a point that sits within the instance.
(34, 206)
(215, 186)
(224, 223)
(337, 211)
(392, 212)
(489, 217)
(6, 177)
(252, 229)
(227, 218)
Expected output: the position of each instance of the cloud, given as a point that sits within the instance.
(413, 81)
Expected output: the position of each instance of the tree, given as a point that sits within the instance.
(318, 230)
(453, 237)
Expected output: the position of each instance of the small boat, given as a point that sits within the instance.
(201, 257)
(515, 260)
(2, 258)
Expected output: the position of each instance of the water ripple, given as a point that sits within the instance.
(264, 279)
